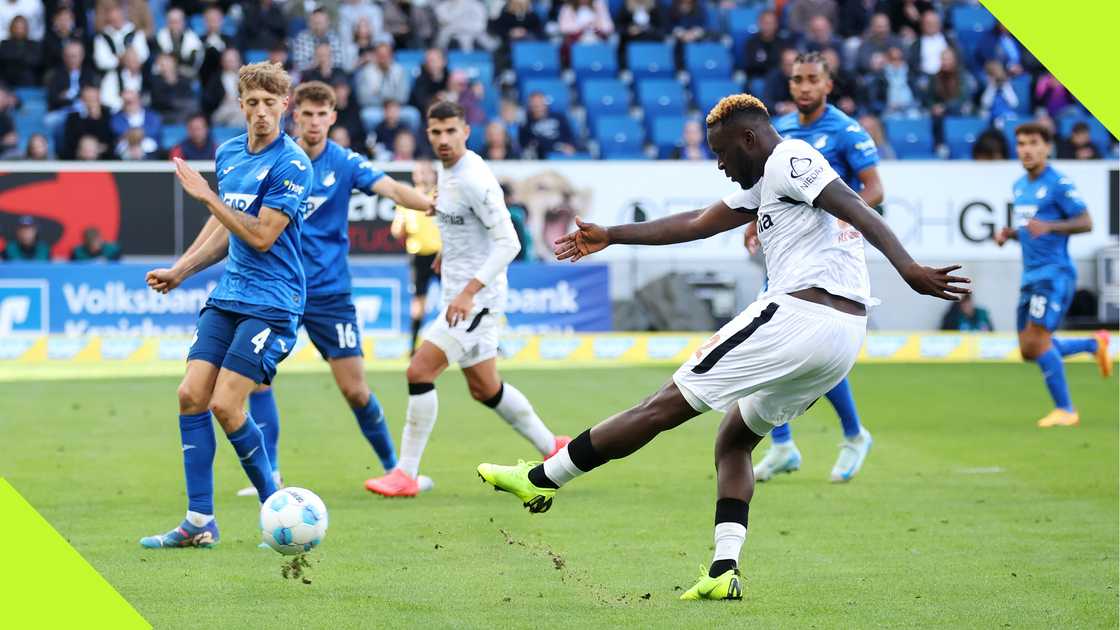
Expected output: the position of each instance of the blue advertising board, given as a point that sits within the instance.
(113, 299)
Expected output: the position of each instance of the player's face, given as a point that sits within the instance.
(809, 85)
(314, 121)
(1032, 150)
(262, 111)
(448, 137)
(731, 146)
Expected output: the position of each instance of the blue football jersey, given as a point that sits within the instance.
(1051, 197)
(277, 177)
(326, 236)
(840, 139)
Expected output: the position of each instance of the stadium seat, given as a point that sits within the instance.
(665, 133)
(649, 60)
(1022, 86)
(555, 93)
(31, 98)
(1007, 124)
(757, 86)
(742, 22)
(558, 156)
(618, 134)
(961, 133)
(911, 138)
(707, 60)
(971, 18)
(478, 65)
(605, 97)
(659, 97)
(255, 55)
(612, 153)
(536, 59)
(707, 93)
(411, 60)
(594, 61)
(172, 135)
(221, 134)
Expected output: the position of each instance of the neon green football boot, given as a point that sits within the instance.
(515, 480)
(729, 585)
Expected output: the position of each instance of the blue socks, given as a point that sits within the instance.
(1055, 374)
(841, 398)
(781, 434)
(197, 433)
(1067, 347)
(248, 442)
(371, 420)
(262, 406)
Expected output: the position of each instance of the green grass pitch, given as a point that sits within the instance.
(965, 515)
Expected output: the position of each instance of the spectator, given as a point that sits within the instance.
(89, 149)
(585, 21)
(801, 13)
(820, 36)
(181, 43)
(463, 23)
(62, 32)
(172, 96)
(324, 69)
(470, 95)
(341, 137)
(27, 245)
(219, 97)
(38, 148)
(1052, 95)
(21, 58)
(30, 10)
(845, 87)
(1000, 45)
(640, 21)
(349, 117)
(966, 316)
(129, 76)
(94, 247)
(9, 137)
(764, 47)
(853, 18)
(925, 52)
(318, 32)
(263, 26)
(990, 145)
(544, 132)
(693, 144)
(213, 44)
(87, 119)
(135, 11)
(510, 115)
(906, 16)
(133, 145)
(776, 90)
(432, 79)
(380, 78)
(518, 22)
(998, 97)
(399, 24)
(1079, 145)
(877, 39)
(351, 13)
(385, 133)
(519, 215)
(690, 23)
(874, 128)
(404, 147)
(65, 83)
(279, 54)
(898, 95)
(133, 115)
(199, 144)
(117, 37)
(951, 90)
(361, 38)
(497, 144)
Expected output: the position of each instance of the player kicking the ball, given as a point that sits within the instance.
(249, 322)
(479, 242)
(769, 364)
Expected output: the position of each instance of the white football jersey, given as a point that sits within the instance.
(470, 201)
(804, 246)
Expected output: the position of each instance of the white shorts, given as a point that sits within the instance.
(774, 359)
(471, 341)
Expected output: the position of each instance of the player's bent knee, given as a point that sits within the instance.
(355, 395)
(225, 411)
(192, 399)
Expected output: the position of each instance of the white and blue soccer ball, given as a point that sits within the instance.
(293, 521)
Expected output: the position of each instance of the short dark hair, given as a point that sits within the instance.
(1034, 129)
(814, 57)
(1080, 126)
(442, 110)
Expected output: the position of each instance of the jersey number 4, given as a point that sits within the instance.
(259, 339)
(347, 338)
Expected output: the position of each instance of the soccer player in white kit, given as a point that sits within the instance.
(479, 242)
(769, 364)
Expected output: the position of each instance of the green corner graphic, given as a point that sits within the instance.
(1077, 43)
(45, 583)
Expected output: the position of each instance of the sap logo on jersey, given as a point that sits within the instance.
(239, 201)
(377, 304)
(23, 307)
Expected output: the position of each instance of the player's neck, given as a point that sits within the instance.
(1036, 172)
(453, 160)
(813, 116)
(313, 150)
(259, 143)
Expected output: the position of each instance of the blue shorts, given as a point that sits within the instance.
(248, 345)
(1044, 302)
(332, 324)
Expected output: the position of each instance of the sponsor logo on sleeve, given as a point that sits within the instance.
(799, 166)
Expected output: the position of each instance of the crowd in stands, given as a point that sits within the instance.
(539, 79)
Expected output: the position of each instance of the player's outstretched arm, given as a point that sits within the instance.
(208, 228)
(843, 203)
(403, 194)
(682, 227)
(259, 232)
(209, 252)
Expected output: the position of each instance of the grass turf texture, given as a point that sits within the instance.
(966, 515)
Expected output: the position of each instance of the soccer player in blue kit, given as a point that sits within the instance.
(852, 153)
(1047, 210)
(249, 322)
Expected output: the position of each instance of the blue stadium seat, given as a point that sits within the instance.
(605, 97)
(536, 59)
(707, 92)
(742, 22)
(558, 156)
(221, 134)
(619, 134)
(611, 153)
(1022, 86)
(707, 60)
(649, 60)
(478, 65)
(255, 55)
(594, 61)
(911, 138)
(1007, 124)
(555, 92)
(660, 97)
(665, 133)
(757, 86)
(172, 135)
(197, 24)
(411, 60)
(31, 97)
(971, 18)
(961, 133)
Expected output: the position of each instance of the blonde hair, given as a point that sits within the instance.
(732, 104)
(264, 75)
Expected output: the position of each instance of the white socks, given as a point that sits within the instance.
(729, 541)
(419, 420)
(516, 409)
(560, 469)
(199, 519)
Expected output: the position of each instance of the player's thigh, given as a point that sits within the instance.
(483, 379)
(196, 386)
(427, 364)
(213, 335)
(231, 390)
(332, 325)
(258, 347)
(467, 343)
(1044, 303)
(349, 375)
(1034, 340)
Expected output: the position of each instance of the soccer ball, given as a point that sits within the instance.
(293, 521)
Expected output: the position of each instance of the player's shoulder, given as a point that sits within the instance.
(294, 155)
(791, 148)
(786, 123)
(1058, 178)
(841, 123)
(234, 145)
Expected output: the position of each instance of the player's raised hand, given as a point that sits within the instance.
(936, 282)
(163, 280)
(194, 184)
(587, 239)
(1004, 235)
